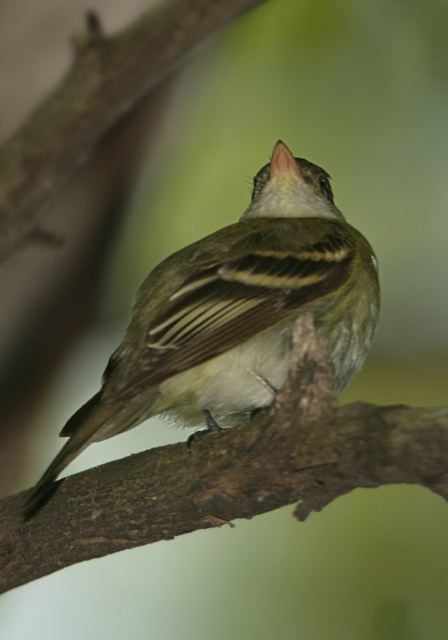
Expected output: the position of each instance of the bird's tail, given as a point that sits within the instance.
(86, 432)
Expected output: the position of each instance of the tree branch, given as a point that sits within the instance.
(304, 450)
(108, 77)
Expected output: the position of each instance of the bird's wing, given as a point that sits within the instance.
(225, 302)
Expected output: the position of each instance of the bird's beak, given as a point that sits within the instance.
(283, 164)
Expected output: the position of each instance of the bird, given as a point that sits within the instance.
(209, 336)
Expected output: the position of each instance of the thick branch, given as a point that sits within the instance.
(108, 77)
(304, 450)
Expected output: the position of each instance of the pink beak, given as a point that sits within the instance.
(282, 161)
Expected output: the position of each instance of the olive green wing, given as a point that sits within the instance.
(227, 301)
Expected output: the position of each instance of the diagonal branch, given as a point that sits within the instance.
(304, 450)
(108, 77)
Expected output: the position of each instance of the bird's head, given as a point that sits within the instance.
(289, 187)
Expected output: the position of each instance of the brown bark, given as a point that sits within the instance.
(306, 450)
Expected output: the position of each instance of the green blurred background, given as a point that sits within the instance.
(360, 88)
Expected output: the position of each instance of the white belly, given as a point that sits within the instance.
(240, 380)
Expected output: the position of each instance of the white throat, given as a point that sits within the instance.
(292, 199)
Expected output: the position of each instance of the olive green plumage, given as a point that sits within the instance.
(210, 329)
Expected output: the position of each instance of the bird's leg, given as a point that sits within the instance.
(212, 427)
(211, 423)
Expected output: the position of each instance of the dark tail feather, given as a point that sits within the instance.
(80, 417)
(46, 486)
(84, 430)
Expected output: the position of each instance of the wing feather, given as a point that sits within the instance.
(226, 302)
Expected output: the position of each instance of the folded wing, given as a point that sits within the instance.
(226, 302)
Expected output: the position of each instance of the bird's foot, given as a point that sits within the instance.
(212, 427)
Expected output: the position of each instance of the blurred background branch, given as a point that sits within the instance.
(109, 76)
(304, 449)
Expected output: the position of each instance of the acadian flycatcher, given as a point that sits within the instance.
(210, 331)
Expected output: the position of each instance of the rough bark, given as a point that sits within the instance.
(108, 77)
(305, 450)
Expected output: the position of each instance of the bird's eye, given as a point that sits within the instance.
(260, 180)
(325, 189)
